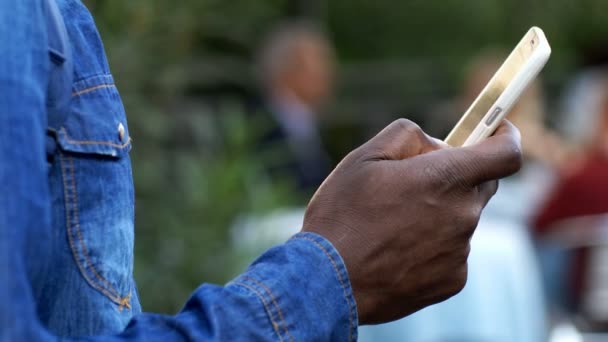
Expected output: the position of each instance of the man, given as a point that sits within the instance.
(385, 235)
(296, 72)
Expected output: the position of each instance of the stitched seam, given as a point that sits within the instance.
(79, 232)
(71, 238)
(105, 291)
(92, 142)
(272, 298)
(90, 89)
(339, 274)
(275, 326)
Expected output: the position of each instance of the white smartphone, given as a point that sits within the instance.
(502, 92)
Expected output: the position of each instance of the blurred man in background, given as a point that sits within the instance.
(296, 68)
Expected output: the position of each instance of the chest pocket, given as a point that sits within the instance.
(90, 171)
(96, 123)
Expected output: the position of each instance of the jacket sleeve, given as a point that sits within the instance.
(298, 291)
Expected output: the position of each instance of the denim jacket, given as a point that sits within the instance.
(67, 212)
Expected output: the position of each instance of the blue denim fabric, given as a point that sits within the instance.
(88, 288)
(24, 206)
(66, 213)
(298, 291)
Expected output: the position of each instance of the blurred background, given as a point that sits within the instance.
(238, 110)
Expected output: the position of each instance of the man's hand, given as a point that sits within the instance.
(401, 210)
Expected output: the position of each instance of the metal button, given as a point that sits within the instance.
(121, 132)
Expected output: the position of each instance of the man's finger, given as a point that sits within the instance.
(493, 158)
(400, 140)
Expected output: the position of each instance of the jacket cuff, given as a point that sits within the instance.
(304, 288)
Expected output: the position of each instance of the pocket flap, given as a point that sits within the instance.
(96, 123)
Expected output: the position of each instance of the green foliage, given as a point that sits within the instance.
(189, 191)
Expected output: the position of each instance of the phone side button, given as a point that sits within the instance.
(490, 120)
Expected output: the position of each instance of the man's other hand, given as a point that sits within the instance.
(401, 210)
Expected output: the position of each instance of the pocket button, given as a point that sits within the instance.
(121, 132)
